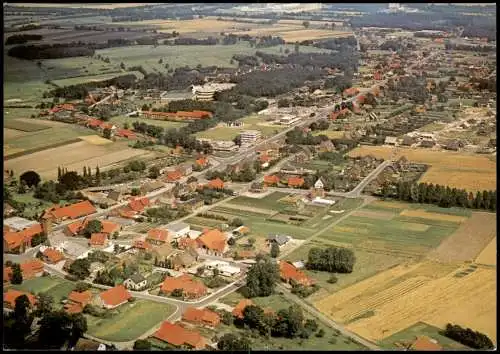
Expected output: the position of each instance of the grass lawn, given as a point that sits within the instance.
(420, 329)
(331, 134)
(432, 127)
(131, 321)
(400, 206)
(89, 78)
(65, 68)
(56, 287)
(160, 123)
(268, 202)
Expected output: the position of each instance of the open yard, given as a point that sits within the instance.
(454, 169)
(73, 156)
(130, 321)
(56, 287)
(120, 120)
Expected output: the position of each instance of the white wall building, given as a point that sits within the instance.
(249, 136)
(178, 229)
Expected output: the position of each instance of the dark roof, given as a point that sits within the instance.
(279, 239)
(137, 278)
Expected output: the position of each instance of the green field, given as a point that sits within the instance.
(57, 69)
(36, 206)
(130, 321)
(269, 202)
(28, 127)
(56, 287)
(160, 123)
(90, 78)
(190, 55)
(420, 329)
(427, 207)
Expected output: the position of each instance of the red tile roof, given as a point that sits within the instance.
(425, 343)
(109, 227)
(53, 255)
(16, 239)
(295, 181)
(289, 272)
(115, 296)
(202, 161)
(126, 133)
(138, 204)
(82, 298)
(75, 227)
(186, 242)
(202, 316)
(174, 176)
(127, 213)
(98, 239)
(190, 287)
(73, 308)
(143, 245)
(11, 295)
(271, 179)
(238, 309)
(177, 335)
(342, 112)
(351, 91)
(158, 235)
(216, 184)
(213, 240)
(31, 268)
(265, 158)
(73, 211)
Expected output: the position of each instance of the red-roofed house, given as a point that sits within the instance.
(138, 204)
(52, 256)
(201, 317)
(216, 184)
(98, 240)
(186, 242)
(32, 268)
(143, 245)
(295, 182)
(9, 298)
(77, 301)
(73, 211)
(212, 242)
(288, 273)
(238, 309)
(173, 176)
(191, 288)
(125, 133)
(351, 91)
(339, 114)
(109, 227)
(158, 237)
(202, 162)
(271, 180)
(180, 337)
(17, 242)
(113, 297)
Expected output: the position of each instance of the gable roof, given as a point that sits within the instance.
(73, 211)
(184, 282)
(200, 315)
(238, 309)
(158, 235)
(164, 250)
(98, 239)
(82, 298)
(295, 181)
(202, 161)
(16, 239)
(186, 242)
(177, 335)
(271, 179)
(53, 255)
(143, 245)
(216, 183)
(115, 296)
(31, 268)
(108, 227)
(174, 175)
(289, 272)
(11, 295)
(213, 239)
(279, 239)
(425, 343)
(138, 204)
(184, 259)
(137, 278)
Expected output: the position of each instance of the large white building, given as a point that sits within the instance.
(249, 136)
(207, 92)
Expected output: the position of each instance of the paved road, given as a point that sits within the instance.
(356, 192)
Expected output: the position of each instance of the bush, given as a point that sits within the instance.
(333, 279)
(320, 333)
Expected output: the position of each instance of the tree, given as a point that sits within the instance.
(237, 140)
(81, 287)
(142, 344)
(44, 304)
(56, 329)
(231, 342)
(275, 250)
(262, 278)
(177, 293)
(30, 178)
(154, 172)
(226, 317)
(125, 125)
(17, 275)
(231, 241)
(253, 316)
(70, 180)
(80, 268)
(237, 222)
(106, 133)
(135, 191)
(21, 307)
(306, 24)
(92, 227)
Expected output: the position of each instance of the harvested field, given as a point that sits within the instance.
(420, 213)
(389, 204)
(380, 215)
(454, 169)
(467, 242)
(73, 157)
(96, 140)
(11, 133)
(331, 134)
(488, 255)
(250, 209)
(23, 126)
(310, 34)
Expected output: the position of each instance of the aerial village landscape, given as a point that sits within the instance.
(249, 176)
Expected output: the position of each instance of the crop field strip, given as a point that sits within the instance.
(24, 126)
(31, 151)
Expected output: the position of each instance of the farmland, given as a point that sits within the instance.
(56, 287)
(120, 120)
(73, 156)
(84, 79)
(459, 170)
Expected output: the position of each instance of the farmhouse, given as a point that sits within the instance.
(158, 237)
(138, 204)
(238, 309)
(424, 343)
(112, 298)
(191, 288)
(290, 274)
(178, 229)
(73, 211)
(9, 298)
(271, 180)
(77, 301)
(201, 317)
(212, 242)
(99, 240)
(29, 269)
(52, 256)
(178, 336)
(183, 260)
(126, 133)
(281, 240)
(18, 242)
(136, 282)
(295, 182)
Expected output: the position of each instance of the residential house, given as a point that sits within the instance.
(240, 307)
(126, 133)
(9, 298)
(163, 252)
(265, 160)
(99, 240)
(245, 254)
(178, 229)
(201, 162)
(138, 204)
(216, 184)
(302, 157)
(109, 227)
(408, 140)
(427, 143)
(158, 237)
(115, 195)
(73, 211)
(202, 317)
(183, 260)
(191, 204)
(340, 114)
(136, 282)
(290, 274)
(142, 245)
(281, 240)
(151, 187)
(212, 242)
(326, 146)
(191, 289)
(454, 145)
(185, 169)
(173, 176)
(77, 301)
(271, 180)
(258, 187)
(241, 230)
(114, 297)
(295, 182)
(52, 256)
(18, 242)
(184, 243)
(424, 343)
(318, 189)
(180, 337)
(32, 268)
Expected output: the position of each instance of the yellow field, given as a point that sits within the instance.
(489, 255)
(331, 134)
(407, 294)
(350, 229)
(96, 140)
(380, 215)
(420, 213)
(7, 150)
(455, 169)
(305, 34)
(389, 204)
(12, 133)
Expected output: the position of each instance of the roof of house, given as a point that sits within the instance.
(271, 179)
(82, 298)
(53, 255)
(295, 181)
(164, 250)
(200, 315)
(158, 235)
(279, 239)
(98, 239)
(184, 259)
(137, 278)
(144, 245)
(265, 158)
(73, 211)
(246, 253)
(425, 343)
(186, 242)
(216, 183)
(288, 271)
(177, 335)
(76, 227)
(213, 239)
(11, 295)
(108, 227)
(138, 204)
(31, 268)
(115, 296)
(178, 226)
(125, 133)
(238, 309)
(202, 161)
(184, 282)
(73, 308)
(16, 239)
(174, 175)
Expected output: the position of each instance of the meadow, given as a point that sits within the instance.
(92, 78)
(120, 120)
(55, 287)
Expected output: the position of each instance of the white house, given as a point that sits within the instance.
(319, 200)
(178, 229)
(135, 282)
(225, 269)
(319, 184)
